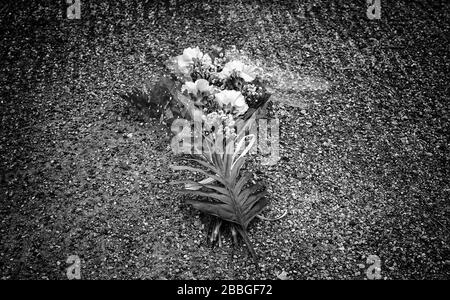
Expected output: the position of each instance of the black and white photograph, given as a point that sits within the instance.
(244, 141)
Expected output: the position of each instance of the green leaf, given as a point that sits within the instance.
(217, 160)
(244, 195)
(221, 197)
(244, 235)
(219, 210)
(237, 167)
(234, 203)
(207, 165)
(196, 170)
(255, 210)
(252, 200)
(228, 157)
(241, 183)
(207, 186)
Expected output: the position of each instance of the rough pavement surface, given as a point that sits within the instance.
(364, 163)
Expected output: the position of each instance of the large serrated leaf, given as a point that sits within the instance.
(235, 204)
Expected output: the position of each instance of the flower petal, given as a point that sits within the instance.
(190, 53)
(239, 101)
(246, 77)
(202, 85)
(190, 87)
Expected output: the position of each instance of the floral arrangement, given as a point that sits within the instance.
(212, 100)
(218, 82)
(222, 98)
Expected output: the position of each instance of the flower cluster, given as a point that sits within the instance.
(200, 91)
(191, 61)
(221, 89)
(217, 123)
(255, 94)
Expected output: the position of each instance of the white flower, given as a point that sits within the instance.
(234, 99)
(199, 88)
(245, 72)
(190, 87)
(186, 60)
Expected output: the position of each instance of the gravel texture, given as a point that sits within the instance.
(364, 141)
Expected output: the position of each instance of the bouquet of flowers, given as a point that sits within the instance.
(221, 98)
(212, 100)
